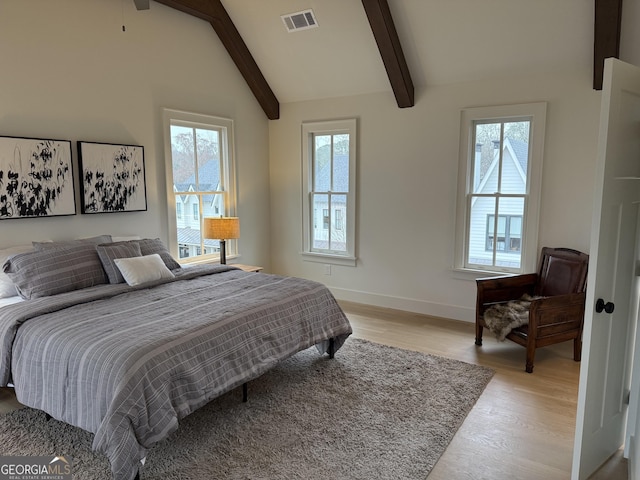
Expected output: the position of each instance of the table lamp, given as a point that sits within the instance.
(221, 228)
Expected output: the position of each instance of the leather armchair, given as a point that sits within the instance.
(557, 317)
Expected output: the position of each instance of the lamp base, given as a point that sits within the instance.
(223, 252)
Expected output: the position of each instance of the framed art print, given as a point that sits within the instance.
(112, 178)
(36, 178)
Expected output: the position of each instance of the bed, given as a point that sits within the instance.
(126, 361)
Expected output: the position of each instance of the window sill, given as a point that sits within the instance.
(469, 274)
(204, 260)
(331, 259)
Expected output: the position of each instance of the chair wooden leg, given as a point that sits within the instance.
(531, 353)
(528, 367)
(478, 334)
(577, 349)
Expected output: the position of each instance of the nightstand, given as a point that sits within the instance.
(246, 268)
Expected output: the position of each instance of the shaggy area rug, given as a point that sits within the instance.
(373, 412)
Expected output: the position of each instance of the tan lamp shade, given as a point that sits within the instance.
(221, 228)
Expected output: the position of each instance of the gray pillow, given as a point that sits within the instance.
(51, 271)
(70, 243)
(149, 246)
(7, 288)
(108, 252)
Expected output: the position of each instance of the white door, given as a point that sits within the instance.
(632, 436)
(608, 335)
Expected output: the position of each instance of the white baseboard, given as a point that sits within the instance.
(406, 304)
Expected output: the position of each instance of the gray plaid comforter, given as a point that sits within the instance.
(127, 363)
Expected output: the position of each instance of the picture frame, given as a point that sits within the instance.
(112, 178)
(36, 178)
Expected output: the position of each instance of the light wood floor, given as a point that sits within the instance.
(522, 426)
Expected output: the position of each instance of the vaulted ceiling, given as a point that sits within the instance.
(366, 46)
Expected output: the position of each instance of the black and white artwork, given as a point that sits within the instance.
(113, 177)
(36, 178)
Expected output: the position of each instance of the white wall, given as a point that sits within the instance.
(69, 71)
(407, 168)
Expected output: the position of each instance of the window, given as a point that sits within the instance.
(200, 180)
(329, 173)
(196, 212)
(509, 236)
(501, 153)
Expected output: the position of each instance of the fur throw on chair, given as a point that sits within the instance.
(504, 317)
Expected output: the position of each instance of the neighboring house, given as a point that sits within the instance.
(189, 212)
(329, 221)
(511, 210)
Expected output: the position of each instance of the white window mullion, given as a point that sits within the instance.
(330, 223)
(195, 156)
(496, 222)
(500, 157)
(332, 146)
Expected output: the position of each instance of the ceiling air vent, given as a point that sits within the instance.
(299, 20)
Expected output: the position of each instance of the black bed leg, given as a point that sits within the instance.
(47, 416)
(137, 476)
(332, 347)
(245, 392)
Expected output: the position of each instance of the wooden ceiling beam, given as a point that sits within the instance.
(386, 36)
(214, 12)
(606, 36)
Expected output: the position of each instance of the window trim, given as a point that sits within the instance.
(308, 130)
(529, 242)
(227, 143)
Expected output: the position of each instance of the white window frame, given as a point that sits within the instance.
(225, 125)
(309, 130)
(536, 113)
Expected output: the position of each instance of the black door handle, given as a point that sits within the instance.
(607, 307)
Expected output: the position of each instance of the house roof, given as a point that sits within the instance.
(340, 174)
(519, 154)
(191, 236)
(521, 151)
(209, 171)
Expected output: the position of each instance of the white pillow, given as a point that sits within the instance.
(137, 270)
(7, 288)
